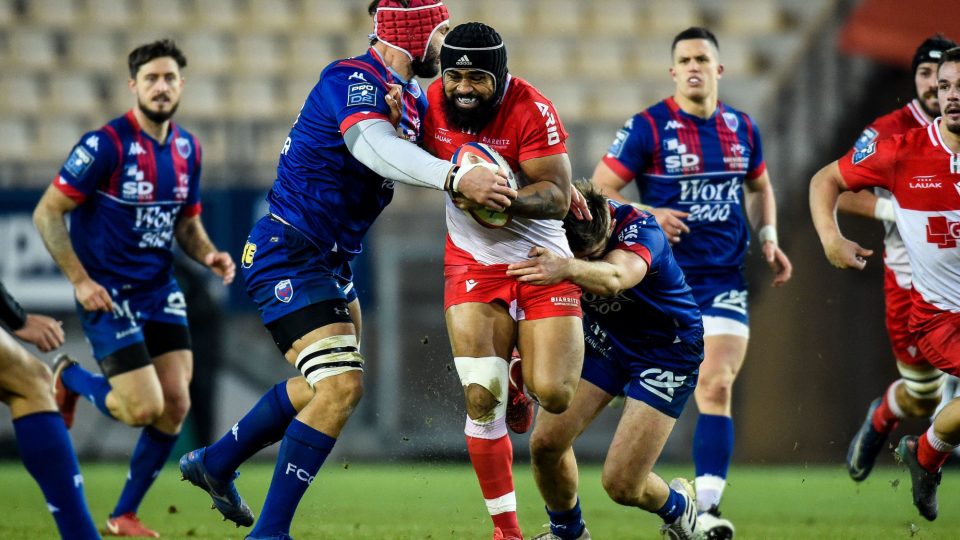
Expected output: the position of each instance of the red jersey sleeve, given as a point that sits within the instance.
(872, 165)
(540, 131)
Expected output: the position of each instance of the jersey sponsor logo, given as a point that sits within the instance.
(672, 124)
(942, 232)
(860, 155)
(93, 142)
(606, 304)
(136, 149)
(156, 226)
(79, 161)
(361, 94)
(924, 182)
(553, 136)
(136, 188)
(682, 161)
(629, 234)
(357, 75)
(183, 147)
(661, 383)
(955, 164)
(734, 300)
(731, 120)
(868, 136)
(471, 283)
(284, 291)
(182, 189)
(700, 189)
(617, 147)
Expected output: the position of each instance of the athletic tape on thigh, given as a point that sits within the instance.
(922, 383)
(715, 326)
(490, 372)
(328, 357)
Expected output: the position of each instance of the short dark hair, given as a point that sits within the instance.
(695, 32)
(582, 234)
(151, 51)
(949, 55)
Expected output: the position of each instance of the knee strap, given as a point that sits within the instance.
(922, 383)
(490, 372)
(328, 357)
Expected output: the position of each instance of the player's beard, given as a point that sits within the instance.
(931, 112)
(470, 120)
(157, 117)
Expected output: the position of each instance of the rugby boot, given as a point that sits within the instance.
(585, 535)
(509, 534)
(865, 446)
(923, 482)
(687, 526)
(128, 525)
(714, 527)
(66, 398)
(519, 405)
(225, 496)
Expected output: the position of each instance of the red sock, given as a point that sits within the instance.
(493, 462)
(929, 457)
(883, 420)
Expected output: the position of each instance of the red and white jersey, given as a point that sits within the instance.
(923, 175)
(526, 126)
(910, 116)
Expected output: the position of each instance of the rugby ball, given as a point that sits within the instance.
(474, 152)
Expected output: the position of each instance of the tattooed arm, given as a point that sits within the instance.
(546, 188)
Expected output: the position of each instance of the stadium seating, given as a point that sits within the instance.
(252, 62)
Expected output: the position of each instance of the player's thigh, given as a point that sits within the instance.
(723, 356)
(940, 343)
(174, 370)
(551, 348)
(138, 388)
(479, 330)
(557, 432)
(22, 374)
(640, 436)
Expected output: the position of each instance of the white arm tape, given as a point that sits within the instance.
(884, 210)
(375, 143)
(768, 233)
(464, 169)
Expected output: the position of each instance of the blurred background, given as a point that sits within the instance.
(812, 73)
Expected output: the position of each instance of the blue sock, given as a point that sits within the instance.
(48, 456)
(713, 445)
(302, 453)
(567, 524)
(149, 455)
(92, 386)
(262, 426)
(673, 508)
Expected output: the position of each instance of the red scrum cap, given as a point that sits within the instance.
(410, 28)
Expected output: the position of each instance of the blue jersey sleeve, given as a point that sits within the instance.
(630, 151)
(352, 92)
(757, 165)
(91, 162)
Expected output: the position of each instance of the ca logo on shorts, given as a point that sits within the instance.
(246, 260)
(661, 382)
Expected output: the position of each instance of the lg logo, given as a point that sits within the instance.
(301, 474)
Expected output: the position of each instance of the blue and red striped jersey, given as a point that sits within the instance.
(658, 310)
(321, 189)
(698, 166)
(130, 190)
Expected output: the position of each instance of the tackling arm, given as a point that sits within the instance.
(865, 203)
(548, 190)
(617, 271)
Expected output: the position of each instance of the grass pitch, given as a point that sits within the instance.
(428, 501)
